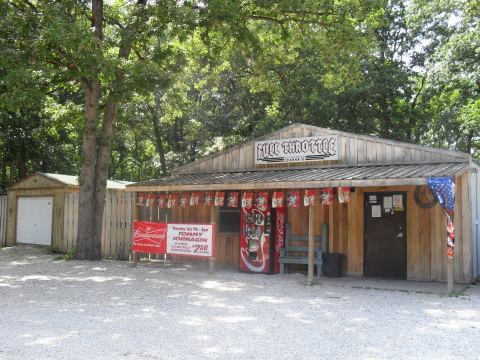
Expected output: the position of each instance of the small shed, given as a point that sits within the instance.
(43, 210)
(389, 226)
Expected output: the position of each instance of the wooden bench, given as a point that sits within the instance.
(286, 256)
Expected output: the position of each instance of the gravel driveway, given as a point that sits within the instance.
(108, 310)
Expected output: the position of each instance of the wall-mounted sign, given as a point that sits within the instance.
(296, 150)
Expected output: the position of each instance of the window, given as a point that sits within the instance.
(229, 221)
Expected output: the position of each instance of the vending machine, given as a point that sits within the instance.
(261, 237)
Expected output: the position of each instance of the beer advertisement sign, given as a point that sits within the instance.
(296, 150)
(149, 237)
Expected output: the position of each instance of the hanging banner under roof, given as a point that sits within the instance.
(444, 190)
(313, 148)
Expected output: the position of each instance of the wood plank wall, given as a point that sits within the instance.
(226, 246)
(117, 224)
(3, 220)
(57, 220)
(352, 150)
(426, 233)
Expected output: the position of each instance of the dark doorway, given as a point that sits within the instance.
(385, 235)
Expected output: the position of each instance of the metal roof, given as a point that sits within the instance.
(367, 175)
(72, 180)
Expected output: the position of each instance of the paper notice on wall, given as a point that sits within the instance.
(387, 202)
(398, 202)
(372, 199)
(376, 211)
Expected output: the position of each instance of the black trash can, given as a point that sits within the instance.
(333, 265)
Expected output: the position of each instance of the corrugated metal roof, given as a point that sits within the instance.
(72, 180)
(349, 174)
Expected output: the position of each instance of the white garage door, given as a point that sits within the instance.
(34, 220)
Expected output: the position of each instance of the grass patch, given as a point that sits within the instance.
(459, 293)
(69, 255)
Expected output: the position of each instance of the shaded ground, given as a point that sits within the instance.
(108, 310)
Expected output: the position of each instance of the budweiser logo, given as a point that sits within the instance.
(140, 234)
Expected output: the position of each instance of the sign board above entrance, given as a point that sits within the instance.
(296, 150)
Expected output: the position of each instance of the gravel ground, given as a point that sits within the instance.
(108, 310)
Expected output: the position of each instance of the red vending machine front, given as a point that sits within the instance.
(261, 237)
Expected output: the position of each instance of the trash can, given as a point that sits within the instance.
(333, 265)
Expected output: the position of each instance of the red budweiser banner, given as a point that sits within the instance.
(247, 200)
(261, 200)
(150, 200)
(309, 197)
(162, 201)
(208, 198)
(343, 194)
(278, 199)
(219, 198)
(232, 200)
(195, 198)
(149, 237)
(293, 198)
(184, 200)
(326, 196)
(172, 200)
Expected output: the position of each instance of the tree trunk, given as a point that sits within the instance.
(96, 151)
(89, 216)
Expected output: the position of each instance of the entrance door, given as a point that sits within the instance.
(34, 220)
(385, 235)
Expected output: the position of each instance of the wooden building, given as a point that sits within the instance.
(43, 210)
(388, 228)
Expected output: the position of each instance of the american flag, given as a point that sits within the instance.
(444, 190)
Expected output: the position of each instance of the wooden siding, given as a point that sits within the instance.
(226, 246)
(426, 235)
(117, 220)
(3, 220)
(353, 149)
(426, 232)
(58, 195)
(117, 224)
(36, 181)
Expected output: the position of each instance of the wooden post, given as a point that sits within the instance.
(135, 217)
(211, 265)
(311, 244)
(213, 220)
(449, 275)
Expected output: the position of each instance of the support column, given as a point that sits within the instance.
(135, 217)
(213, 220)
(449, 274)
(311, 244)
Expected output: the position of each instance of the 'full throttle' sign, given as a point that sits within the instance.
(296, 150)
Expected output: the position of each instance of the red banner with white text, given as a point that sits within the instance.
(149, 237)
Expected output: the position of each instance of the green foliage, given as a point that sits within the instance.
(69, 255)
(204, 75)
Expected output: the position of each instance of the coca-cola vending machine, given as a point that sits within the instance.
(262, 236)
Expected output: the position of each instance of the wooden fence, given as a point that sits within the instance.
(117, 223)
(3, 220)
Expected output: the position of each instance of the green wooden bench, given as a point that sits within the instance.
(286, 256)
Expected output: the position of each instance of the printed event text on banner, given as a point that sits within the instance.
(190, 239)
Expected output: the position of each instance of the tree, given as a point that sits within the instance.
(112, 52)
